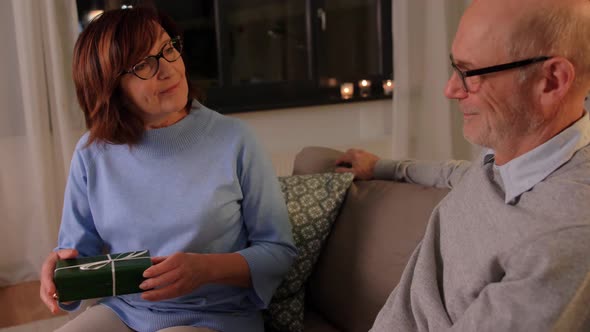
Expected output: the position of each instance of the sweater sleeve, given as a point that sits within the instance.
(272, 250)
(440, 174)
(77, 225)
(541, 277)
(77, 229)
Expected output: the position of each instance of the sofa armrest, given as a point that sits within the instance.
(315, 159)
(576, 315)
(376, 231)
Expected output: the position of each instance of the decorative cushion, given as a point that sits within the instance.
(313, 202)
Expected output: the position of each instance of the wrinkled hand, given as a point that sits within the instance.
(47, 288)
(175, 275)
(361, 163)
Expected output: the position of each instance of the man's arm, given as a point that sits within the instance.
(367, 166)
(439, 174)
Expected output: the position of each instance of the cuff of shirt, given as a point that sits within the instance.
(384, 169)
(70, 306)
(265, 277)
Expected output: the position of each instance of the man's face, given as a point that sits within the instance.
(497, 108)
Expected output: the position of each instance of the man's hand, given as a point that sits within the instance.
(175, 275)
(47, 289)
(358, 162)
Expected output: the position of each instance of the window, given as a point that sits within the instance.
(265, 54)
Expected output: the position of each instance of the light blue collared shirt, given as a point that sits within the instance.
(523, 173)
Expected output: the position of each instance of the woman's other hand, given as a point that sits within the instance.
(47, 289)
(182, 273)
(358, 162)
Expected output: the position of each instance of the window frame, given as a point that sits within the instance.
(254, 97)
(227, 98)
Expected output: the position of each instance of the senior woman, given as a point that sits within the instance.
(159, 171)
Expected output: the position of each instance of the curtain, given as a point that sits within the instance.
(39, 127)
(426, 125)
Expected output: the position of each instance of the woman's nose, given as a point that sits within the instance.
(166, 69)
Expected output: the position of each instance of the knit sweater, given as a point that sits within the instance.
(202, 185)
(506, 249)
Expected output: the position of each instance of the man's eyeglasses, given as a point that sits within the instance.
(149, 66)
(464, 75)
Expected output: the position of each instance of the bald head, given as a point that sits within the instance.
(485, 26)
(527, 5)
(494, 31)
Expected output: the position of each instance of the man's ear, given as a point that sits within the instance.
(558, 75)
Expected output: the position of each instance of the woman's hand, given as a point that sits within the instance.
(175, 275)
(358, 162)
(182, 273)
(47, 289)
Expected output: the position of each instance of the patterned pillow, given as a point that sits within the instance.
(313, 202)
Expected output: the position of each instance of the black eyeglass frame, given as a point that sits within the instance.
(157, 57)
(494, 69)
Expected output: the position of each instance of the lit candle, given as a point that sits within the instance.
(346, 90)
(92, 14)
(388, 87)
(365, 88)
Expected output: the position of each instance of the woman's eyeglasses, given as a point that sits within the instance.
(149, 66)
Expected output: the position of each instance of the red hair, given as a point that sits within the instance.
(113, 42)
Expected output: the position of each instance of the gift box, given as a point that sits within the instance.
(100, 276)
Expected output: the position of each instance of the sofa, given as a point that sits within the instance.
(377, 228)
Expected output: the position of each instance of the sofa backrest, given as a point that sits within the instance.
(378, 228)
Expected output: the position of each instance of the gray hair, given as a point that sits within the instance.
(554, 31)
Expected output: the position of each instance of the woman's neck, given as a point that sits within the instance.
(169, 120)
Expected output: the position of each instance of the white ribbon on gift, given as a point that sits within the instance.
(100, 264)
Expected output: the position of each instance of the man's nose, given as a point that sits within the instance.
(454, 88)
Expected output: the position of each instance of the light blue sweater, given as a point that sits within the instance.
(202, 185)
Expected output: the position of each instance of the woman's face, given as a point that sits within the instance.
(161, 99)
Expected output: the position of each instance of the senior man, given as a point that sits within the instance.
(509, 246)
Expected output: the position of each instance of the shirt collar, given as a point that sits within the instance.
(523, 173)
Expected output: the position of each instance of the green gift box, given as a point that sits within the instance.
(100, 276)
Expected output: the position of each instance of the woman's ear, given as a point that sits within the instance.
(558, 75)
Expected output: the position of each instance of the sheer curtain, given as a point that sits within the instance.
(39, 126)
(425, 124)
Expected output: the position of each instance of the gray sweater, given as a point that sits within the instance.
(489, 262)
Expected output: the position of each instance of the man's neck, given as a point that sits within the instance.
(516, 146)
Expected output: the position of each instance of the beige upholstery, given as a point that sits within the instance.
(576, 315)
(315, 160)
(378, 227)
